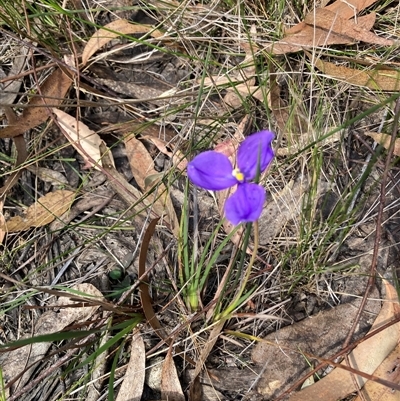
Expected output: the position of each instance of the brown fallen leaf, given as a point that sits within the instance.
(384, 140)
(347, 9)
(53, 91)
(147, 93)
(178, 158)
(140, 161)
(320, 334)
(388, 370)
(149, 180)
(308, 37)
(48, 175)
(133, 383)
(113, 30)
(330, 27)
(171, 388)
(333, 22)
(376, 79)
(42, 212)
(366, 357)
(83, 139)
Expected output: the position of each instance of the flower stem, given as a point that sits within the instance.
(234, 304)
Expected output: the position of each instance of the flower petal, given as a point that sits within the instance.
(211, 170)
(246, 204)
(255, 149)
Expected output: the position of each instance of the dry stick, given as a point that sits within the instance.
(338, 354)
(346, 347)
(379, 219)
(378, 234)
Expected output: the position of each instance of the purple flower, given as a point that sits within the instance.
(213, 171)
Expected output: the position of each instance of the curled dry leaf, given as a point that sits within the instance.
(140, 161)
(112, 31)
(42, 212)
(83, 139)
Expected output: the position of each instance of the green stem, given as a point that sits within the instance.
(233, 305)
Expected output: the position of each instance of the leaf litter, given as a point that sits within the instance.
(329, 24)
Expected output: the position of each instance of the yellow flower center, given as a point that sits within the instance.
(238, 175)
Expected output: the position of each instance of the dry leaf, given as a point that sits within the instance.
(83, 139)
(330, 27)
(42, 212)
(321, 335)
(156, 96)
(132, 386)
(142, 166)
(53, 90)
(170, 385)
(9, 89)
(366, 357)
(347, 9)
(112, 31)
(384, 79)
(178, 158)
(333, 22)
(48, 175)
(388, 370)
(308, 37)
(384, 140)
(140, 161)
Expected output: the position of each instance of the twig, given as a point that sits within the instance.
(378, 232)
